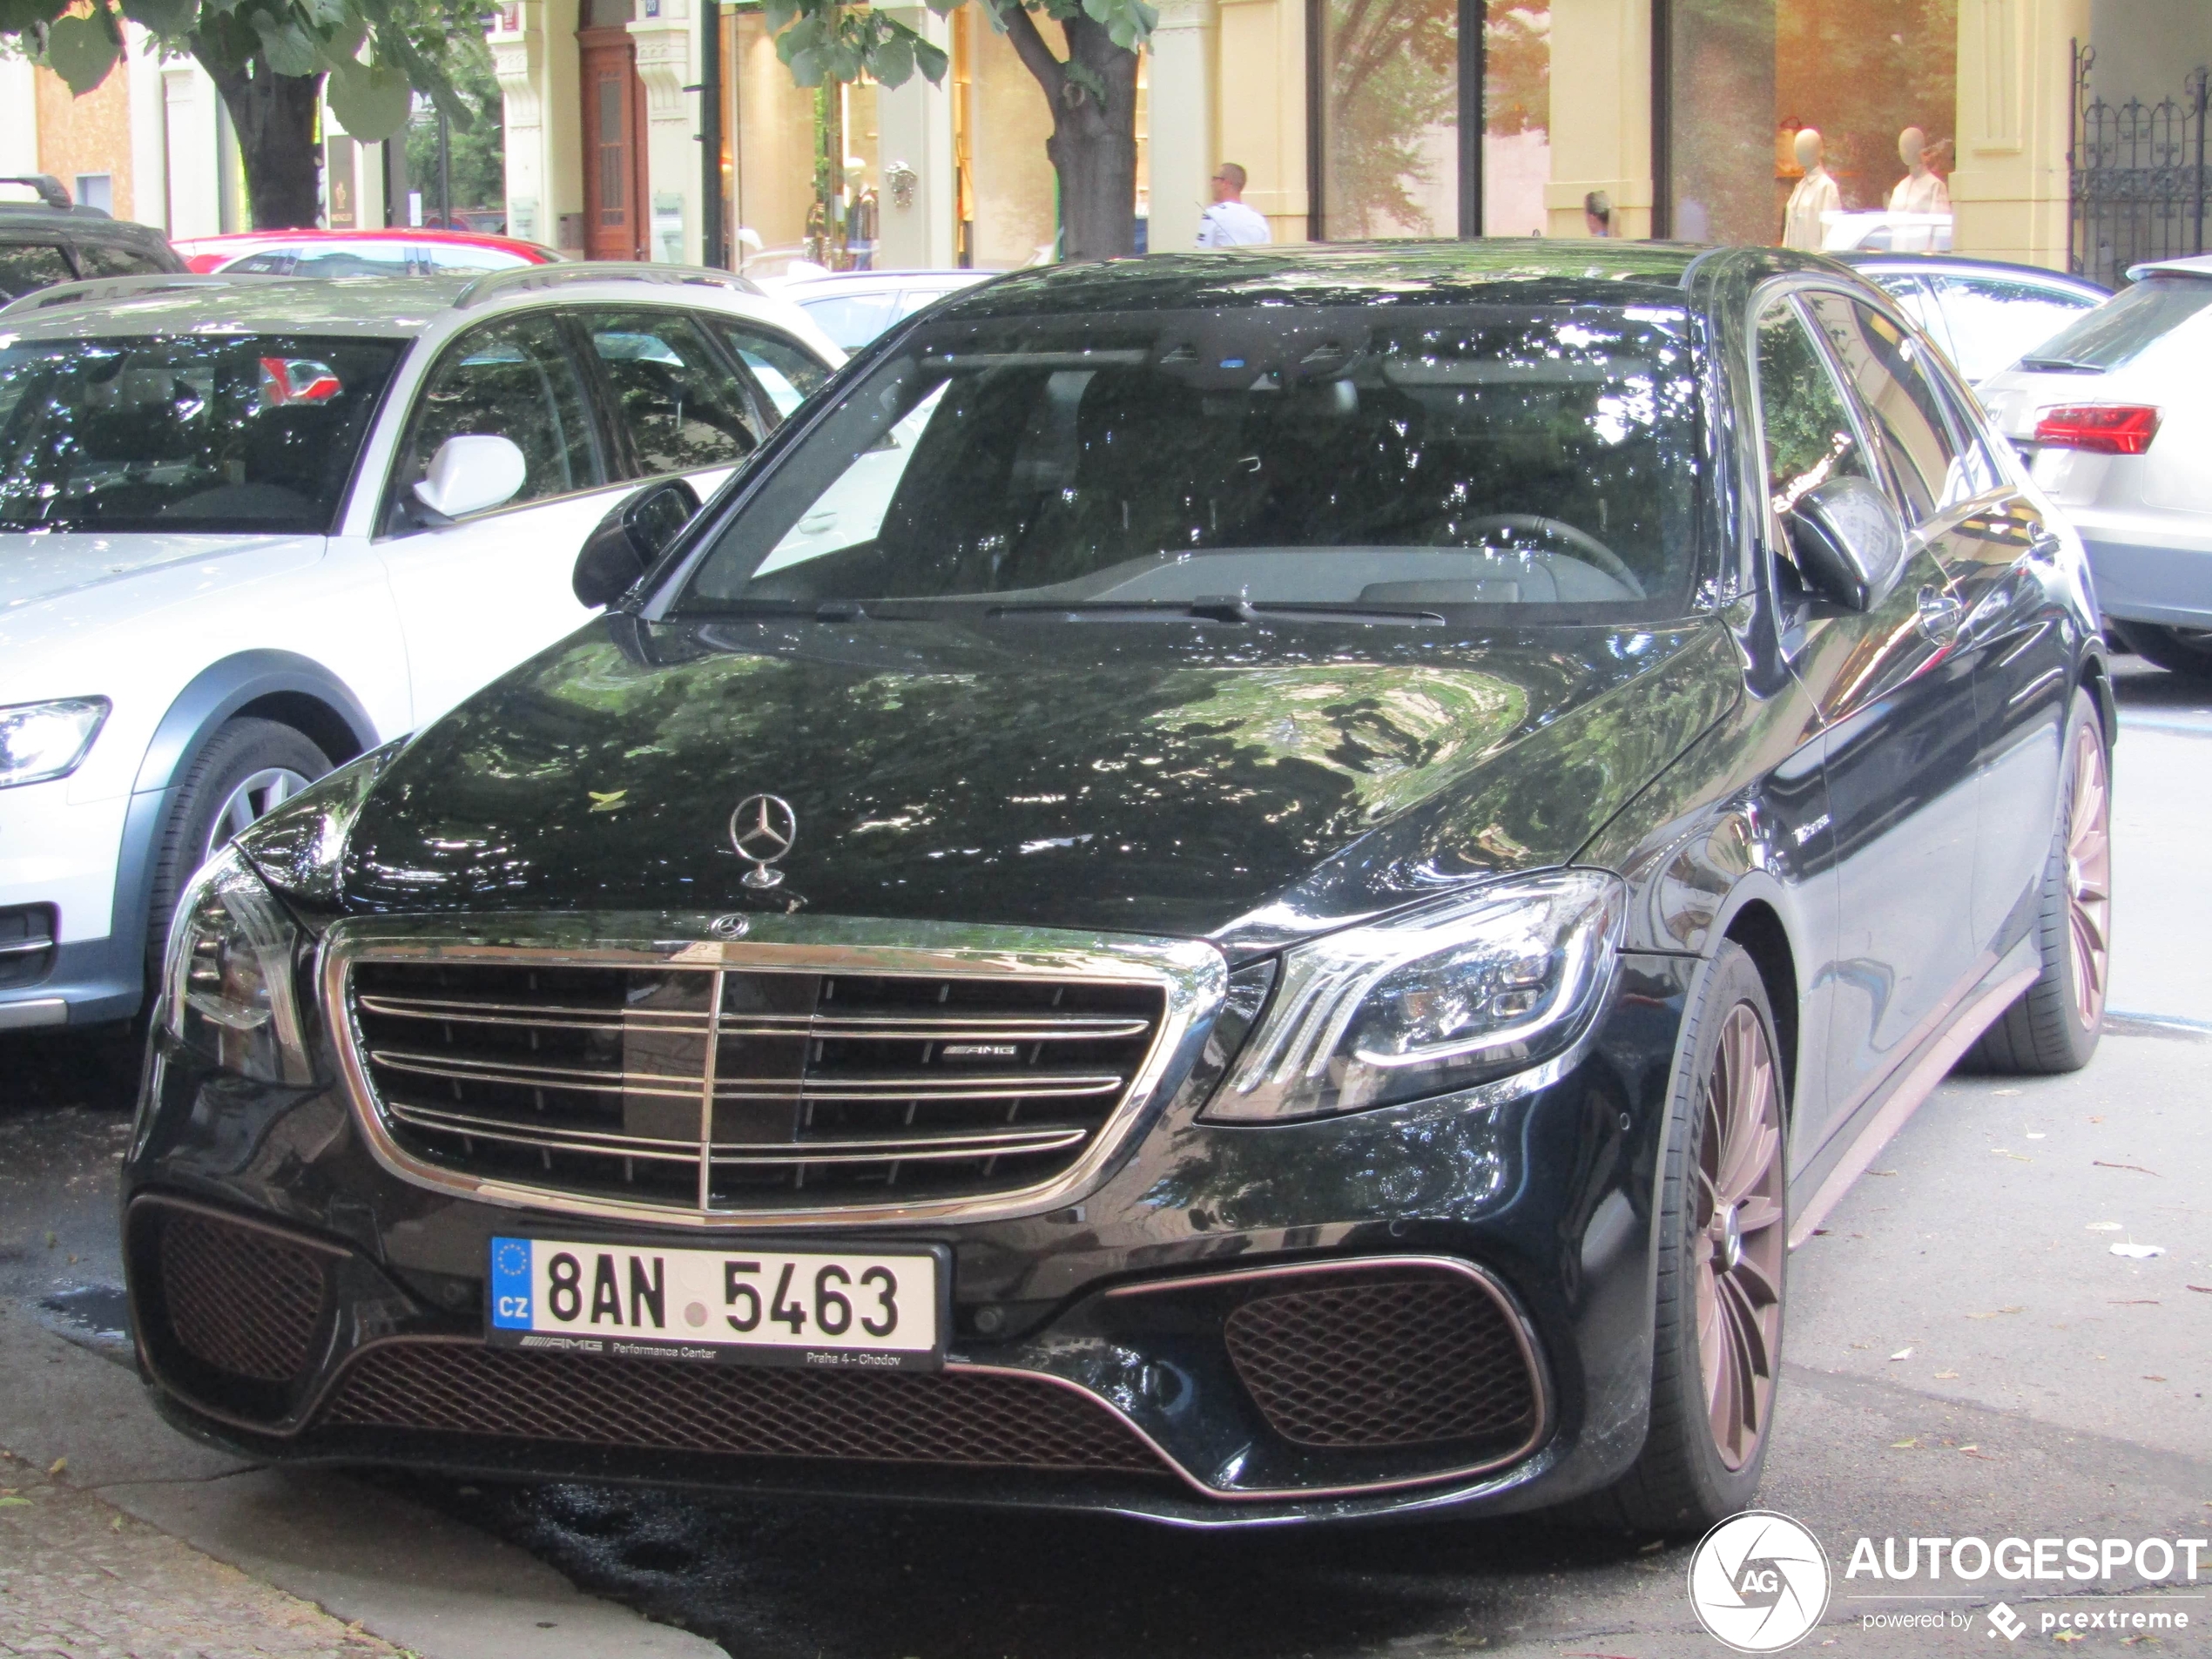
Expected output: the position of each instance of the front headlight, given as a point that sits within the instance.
(230, 980)
(39, 741)
(1423, 1004)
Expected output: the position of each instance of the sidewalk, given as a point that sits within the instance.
(81, 1579)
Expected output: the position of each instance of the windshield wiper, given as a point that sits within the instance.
(1211, 609)
(2061, 366)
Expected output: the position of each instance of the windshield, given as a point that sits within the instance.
(203, 433)
(2124, 326)
(1406, 458)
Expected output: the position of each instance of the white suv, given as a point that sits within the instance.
(251, 527)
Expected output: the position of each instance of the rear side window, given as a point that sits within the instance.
(273, 264)
(682, 407)
(853, 319)
(200, 433)
(1884, 368)
(512, 379)
(106, 259)
(24, 267)
(786, 374)
(2125, 326)
(355, 259)
(1994, 323)
(460, 257)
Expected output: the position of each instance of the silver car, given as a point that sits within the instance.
(2115, 415)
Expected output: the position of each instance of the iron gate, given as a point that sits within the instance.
(2137, 176)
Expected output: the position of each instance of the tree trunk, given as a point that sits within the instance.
(1093, 146)
(274, 118)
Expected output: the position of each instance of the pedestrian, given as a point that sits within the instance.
(1229, 223)
(1597, 213)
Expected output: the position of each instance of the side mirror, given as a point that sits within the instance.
(1849, 540)
(630, 538)
(471, 473)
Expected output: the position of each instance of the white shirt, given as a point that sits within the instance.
(1232, 225)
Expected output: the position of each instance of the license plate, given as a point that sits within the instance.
(875, 1310)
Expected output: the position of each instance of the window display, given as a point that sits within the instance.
(1813, 123)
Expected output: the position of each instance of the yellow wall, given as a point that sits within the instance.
(2015, 87)
(88, 134)
(773, 127)
(1262, 104)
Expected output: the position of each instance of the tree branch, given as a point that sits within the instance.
(1029, 46)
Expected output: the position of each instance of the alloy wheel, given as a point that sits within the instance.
(1737, 1252)
(257, 795)
(2089, 876)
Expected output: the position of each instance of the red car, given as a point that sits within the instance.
(400, 252)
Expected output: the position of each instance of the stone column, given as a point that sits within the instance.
(2011, 192)
(1186, 140)
(190, 110)
(518, 59)
(1600, 114)
(667, 63)
(914, 127)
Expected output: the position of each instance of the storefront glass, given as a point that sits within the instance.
(1812, 122)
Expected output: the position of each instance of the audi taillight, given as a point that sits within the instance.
(2103, 428)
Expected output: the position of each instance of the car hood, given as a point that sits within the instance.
(1251, 781)
(35, 567)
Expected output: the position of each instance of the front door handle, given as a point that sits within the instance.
(1939, 616)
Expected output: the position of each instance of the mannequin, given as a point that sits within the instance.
(1817, 194)
(1921, 190)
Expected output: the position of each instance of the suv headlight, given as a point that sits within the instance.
(230, 979)
(39, 741)
(1423, 1004)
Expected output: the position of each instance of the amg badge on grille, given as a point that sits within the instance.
(762, 829)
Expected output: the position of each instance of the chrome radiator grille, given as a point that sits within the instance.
(803, 1089)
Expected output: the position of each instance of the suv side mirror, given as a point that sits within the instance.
(630, 538)
(1849, 541)
(471, 473)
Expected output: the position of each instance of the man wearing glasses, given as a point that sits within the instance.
(1229, 223)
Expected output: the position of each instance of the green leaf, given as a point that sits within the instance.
(1083, 75)
(931, 61)
(371, 103)
(893, 62)
(81, 51)
(170, 18)
(805, 67)
(946, 8)
(779, 13)
(286, 48)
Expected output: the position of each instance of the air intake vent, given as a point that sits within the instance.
(241, 1299)
(807, 1088)
(988, 1420)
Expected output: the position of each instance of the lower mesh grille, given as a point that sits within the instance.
(1407, 1358)
(946, 1418)
(242, 1300)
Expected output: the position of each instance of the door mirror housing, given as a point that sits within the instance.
(1849, 540)
(471, 473)
(630, 538)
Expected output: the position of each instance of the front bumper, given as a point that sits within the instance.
(1089, 1363)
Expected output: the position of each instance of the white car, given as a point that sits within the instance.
(854, 307)
(252, 527)
(2115, 414)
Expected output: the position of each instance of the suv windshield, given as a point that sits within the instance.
(213, 433)
(2124, 326)
(1414, 458)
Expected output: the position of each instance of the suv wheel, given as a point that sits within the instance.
(2178, 651)
(246, 768)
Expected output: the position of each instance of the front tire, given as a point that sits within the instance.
(2053, 1026)
(245, 769)
(2178, 651)
(1724, 1258)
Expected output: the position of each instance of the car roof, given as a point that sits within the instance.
(1565, 271)
(2195, 265)
(371, 307)
(247, 241)
(1935, 263)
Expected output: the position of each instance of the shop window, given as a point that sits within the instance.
(1432, 117)
(1809, 123)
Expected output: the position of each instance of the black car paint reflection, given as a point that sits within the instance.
(1863, 804)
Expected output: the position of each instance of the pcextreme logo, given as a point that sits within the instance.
(1758, 1581)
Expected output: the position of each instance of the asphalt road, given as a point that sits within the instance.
(1966, 1356)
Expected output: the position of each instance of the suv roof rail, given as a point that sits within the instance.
(124, 287)
(50, 190)
(525, 277)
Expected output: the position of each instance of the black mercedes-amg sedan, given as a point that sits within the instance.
(1239, 889)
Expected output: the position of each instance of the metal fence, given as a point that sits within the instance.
(2137, 175)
